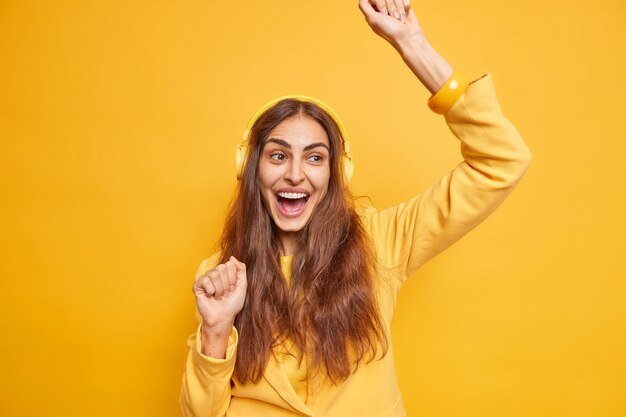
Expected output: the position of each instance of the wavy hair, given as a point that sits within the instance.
(329, 309)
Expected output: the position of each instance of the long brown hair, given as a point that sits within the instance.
(329, 310)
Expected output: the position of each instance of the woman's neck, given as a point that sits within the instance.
(288, 242)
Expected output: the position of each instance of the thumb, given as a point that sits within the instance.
(240, 267)
(367, 9)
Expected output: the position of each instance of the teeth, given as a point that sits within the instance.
(292, 195)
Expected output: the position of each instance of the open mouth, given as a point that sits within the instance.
(291, 203)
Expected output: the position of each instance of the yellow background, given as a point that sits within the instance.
(118, 124)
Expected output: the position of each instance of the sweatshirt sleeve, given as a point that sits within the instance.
(206, 383)
(495, 157)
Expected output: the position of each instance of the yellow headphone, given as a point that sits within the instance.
(346, 158)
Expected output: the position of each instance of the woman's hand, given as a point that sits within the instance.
(407, 37)
(220, 294)
(393, 20)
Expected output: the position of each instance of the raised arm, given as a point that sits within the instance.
(495, 157)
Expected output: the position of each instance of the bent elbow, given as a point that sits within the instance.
(525, 159)
(519, 165)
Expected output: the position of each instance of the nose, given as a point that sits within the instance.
(295, 174)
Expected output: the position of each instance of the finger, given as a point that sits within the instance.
(232, 275)
(205, 284)
(381, 6)
(400, 10)
(367, 9)
(223, 270)
(198, 285)
(216, 280)
(407, 6)
(391, 8)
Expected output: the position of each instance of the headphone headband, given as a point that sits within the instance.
(301, 97)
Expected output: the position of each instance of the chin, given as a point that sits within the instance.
(290, 226)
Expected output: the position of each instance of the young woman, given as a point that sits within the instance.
(295, 309)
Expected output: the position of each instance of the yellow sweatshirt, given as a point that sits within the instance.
(405, 237)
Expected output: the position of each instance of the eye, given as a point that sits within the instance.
(277, 156)
(316, 158)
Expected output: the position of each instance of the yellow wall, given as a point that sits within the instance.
(118, 124)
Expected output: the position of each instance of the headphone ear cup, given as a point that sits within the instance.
(240, 158)
(348, 170)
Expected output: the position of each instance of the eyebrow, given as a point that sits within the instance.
(287, 145)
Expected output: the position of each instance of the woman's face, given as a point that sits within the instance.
(294, 171)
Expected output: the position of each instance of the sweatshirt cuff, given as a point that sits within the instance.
(216, 368)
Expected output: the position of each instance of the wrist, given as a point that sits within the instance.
(213, 330)
(425, 62)
(214, 340)
(412, 44)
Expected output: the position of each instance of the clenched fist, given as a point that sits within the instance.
(220, 293)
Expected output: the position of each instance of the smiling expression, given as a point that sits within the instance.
(294, 172)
